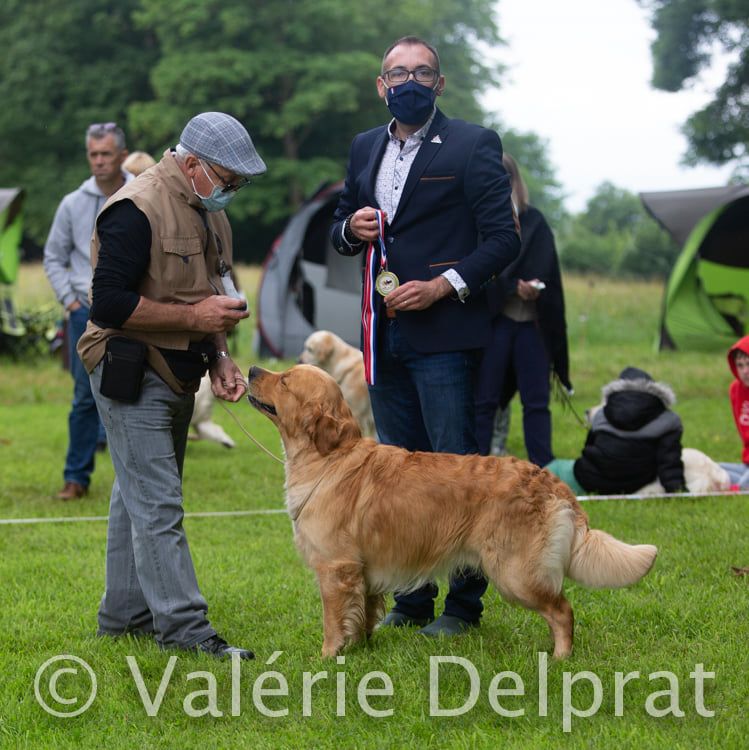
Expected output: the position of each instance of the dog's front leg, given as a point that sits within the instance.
(342, 592)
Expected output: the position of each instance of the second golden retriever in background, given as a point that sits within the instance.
(346, 365)
(371, 518)
(202, 425)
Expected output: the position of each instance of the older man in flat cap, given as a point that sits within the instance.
(163, 300)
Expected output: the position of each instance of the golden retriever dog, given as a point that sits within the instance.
(371, 518)
(346, 365)
(701, 474)
(202, 425)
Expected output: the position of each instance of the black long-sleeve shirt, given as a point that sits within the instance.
(124, 256)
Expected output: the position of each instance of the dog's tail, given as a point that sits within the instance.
(600, 561)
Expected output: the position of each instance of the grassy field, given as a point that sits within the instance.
(689, 611)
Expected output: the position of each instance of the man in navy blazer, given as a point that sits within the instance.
(449, 228)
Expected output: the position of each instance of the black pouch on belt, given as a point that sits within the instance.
(191, 363)
(122, 371)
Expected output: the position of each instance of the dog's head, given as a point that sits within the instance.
(306, 405)
(320, 349)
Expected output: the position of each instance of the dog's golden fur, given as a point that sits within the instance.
(372, 518)
(346, 364)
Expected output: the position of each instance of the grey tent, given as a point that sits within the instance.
(706, 304)
(305, 284)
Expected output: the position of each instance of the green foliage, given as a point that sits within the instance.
(65, 65)
(616, 235)
(689, 32)
(531, 154)
(301, 76)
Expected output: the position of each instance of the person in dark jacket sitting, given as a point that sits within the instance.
(634, 439)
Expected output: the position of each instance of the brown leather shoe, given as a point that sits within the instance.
(72, 491)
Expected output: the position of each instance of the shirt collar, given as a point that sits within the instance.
(419, 135)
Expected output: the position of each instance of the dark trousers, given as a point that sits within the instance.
(519, 348)
(424, 402)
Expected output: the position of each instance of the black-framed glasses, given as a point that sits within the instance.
(422, 74)
(228, 187)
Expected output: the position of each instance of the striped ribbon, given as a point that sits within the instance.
(376, 262)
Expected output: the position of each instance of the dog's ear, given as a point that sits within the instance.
(329, 433)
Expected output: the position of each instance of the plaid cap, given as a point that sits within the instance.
(223, 140)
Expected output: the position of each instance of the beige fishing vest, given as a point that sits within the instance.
(184, 265)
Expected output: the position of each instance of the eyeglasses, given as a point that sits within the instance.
(422, 74)
(228, 187)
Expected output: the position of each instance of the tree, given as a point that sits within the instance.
(65, 66)
(531, 154)
(616, 235)
(689, 32)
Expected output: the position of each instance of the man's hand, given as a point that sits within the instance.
(218, 314)
(73, 306)
(364, 224)
(418, 295)
(526, 290)
(227, 381)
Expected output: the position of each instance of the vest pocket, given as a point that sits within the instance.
(183, 262)
(182, 246)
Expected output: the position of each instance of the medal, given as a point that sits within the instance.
(386, 282)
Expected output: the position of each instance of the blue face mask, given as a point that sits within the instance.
(218, 200)
(411, 103)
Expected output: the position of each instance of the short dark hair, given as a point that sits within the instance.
(411, 41)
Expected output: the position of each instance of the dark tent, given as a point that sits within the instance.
(706, 304)
(305, 284)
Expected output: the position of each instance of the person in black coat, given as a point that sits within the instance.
(634, 438)
(529, 333)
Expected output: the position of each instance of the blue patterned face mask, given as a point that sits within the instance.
(218, 200)
(411, 103)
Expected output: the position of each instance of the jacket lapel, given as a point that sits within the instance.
(375, 157)
(433, 142)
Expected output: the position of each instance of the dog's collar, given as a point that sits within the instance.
(303, 504)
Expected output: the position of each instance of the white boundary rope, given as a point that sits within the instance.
(663, 496)
(276, 511)
(205, 514)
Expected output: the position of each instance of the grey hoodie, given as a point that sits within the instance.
(67, 253)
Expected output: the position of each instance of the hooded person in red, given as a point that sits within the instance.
(738, 392)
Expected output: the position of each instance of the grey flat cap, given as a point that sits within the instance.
(222, 140)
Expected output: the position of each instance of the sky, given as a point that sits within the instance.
(578, 75)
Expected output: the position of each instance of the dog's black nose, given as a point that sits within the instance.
(254, 372)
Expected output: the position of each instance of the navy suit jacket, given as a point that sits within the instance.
(455, 212)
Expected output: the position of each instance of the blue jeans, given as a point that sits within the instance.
(424, 402)
(739, 474)
(150, 580)
(84, 424)
(516, 348)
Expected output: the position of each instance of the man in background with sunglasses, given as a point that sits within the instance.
(67, 262)
(163, 301)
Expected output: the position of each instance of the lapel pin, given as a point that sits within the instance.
(436, 139)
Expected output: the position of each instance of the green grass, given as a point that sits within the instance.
(689, 610)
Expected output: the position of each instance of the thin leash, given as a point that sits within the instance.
(251, 437)
(566, 399)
